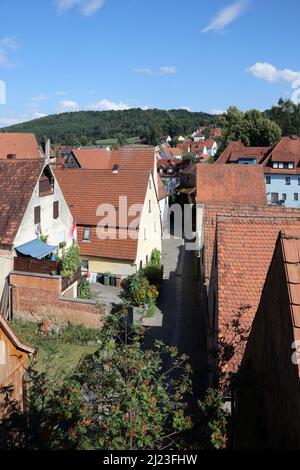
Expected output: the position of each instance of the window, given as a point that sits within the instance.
(155, 227)
(141, 265)
(274, 198)
(55, 209)
(275, 165)
(87, 234)
(150, 207)
(150, 184)
(291, 166)
(37, 215)
(298, 180)
(268, 179)
(280, 165)
(85, 266)
(296, 197)
(147, 259)
(145, 234)
(288, 180)
(283, 197)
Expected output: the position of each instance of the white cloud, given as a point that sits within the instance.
(186, 108)
(168, 70)
(216, 111)
(4, 60)
(66, 106)
(106, 105)
(39, 98)
(10, 43)
(14, 118)
(266, 71)
(86, 7)
(7, 44)
(143, 71)
(38, 115)
(61, 93)
(226, 16)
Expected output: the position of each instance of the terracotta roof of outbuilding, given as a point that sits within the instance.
(18, 179)
(20, 145)
(213, 210)
(239, 184)
(245, 246)
(95, 159)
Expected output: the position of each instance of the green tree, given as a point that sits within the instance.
(251, 128)
(122, 140)
(121, 398)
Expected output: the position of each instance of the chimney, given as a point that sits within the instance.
(46, 146)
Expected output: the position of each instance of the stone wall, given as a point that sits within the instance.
(38, 297)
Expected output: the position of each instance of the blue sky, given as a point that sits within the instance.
(62, 55)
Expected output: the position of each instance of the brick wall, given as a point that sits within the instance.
(38, 297)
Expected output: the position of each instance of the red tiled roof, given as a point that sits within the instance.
(93, 159)
(290, 243)
(86, 190)
(18, 179)
(115, 248)
(287, 150)
(213, 210)
(130, 158)
(162, 193)
(245, 246)
(21, 145)
(237, 150)
(240, 184)
(209, 143)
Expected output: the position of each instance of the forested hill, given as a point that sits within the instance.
(66, 128)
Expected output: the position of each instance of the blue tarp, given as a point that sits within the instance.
(36, 249)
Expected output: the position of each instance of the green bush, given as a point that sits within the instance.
(155, 259)
(154, 274)
(84, 289)
(70, 262)
(78, 334)
(139, 291)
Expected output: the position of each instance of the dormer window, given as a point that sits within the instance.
(115, 169)
(87, 234)
(46, 184)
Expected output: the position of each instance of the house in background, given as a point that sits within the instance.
(267, 409)
(211, 147)
(14, 361)
(21, 146)
(32, 204)
(163, 198)
(95, 159)
(170, 153)
(129, 242)
(281, 167)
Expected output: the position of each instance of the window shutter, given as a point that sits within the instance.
(55, 209)
(37, 215)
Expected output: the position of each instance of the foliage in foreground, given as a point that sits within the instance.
(215, 417)
(120, 398)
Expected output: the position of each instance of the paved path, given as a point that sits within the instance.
(181, 308)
